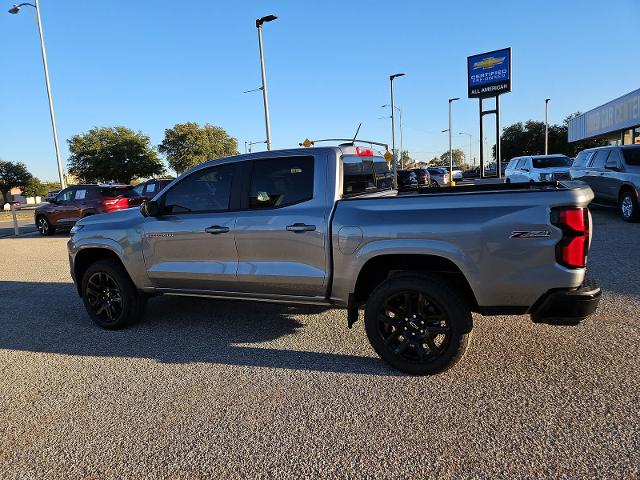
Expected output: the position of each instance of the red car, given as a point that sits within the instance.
(79, 201)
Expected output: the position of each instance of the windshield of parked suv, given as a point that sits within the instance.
(632, 155)
(547, 162)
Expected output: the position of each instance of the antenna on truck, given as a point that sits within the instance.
(357, 131)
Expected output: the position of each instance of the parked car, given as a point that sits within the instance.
(15, 203)
(51, 194)
(79, 201)
(149, 189)
(613, 173)
(295, 226)
(457, 174)
(440, 176)
(407, 180)
(424, 178)
(537, 168)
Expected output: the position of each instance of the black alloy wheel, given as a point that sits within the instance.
(419, 324)
(103, 297)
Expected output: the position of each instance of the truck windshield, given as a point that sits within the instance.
(365, 175)
(547, 162)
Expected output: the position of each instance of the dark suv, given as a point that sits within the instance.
(613, 173)
(79, 201)
(147, 190)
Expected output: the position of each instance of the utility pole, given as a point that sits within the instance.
(546, 126)
(14, 10)
(451, 100)
(393, 131)
(259, 22)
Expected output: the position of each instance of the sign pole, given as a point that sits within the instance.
(481, 142)
(498, 150)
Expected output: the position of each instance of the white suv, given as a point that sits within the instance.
(538, 168)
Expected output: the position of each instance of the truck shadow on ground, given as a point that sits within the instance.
(50, 318)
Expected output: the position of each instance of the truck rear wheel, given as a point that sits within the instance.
(418, 324)
(110, 296)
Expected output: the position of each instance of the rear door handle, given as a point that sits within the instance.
(216, 229)
(301, 227)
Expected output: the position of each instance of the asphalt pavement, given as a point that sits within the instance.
(221, 389)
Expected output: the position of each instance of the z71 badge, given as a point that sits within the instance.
(532, 234)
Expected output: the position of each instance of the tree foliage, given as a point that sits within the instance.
(112, 154)
(189, 144)
(528, 139)
(12, 175)
(458, 157)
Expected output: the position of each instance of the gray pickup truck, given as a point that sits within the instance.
(323, 226)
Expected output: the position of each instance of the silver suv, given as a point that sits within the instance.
(613, 173)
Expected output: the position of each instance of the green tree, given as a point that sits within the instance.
(12, 175)
(458, 157)
(189, 144)
(117, 154)
(35, 188)
(528, 139)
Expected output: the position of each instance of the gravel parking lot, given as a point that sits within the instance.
(217, 389)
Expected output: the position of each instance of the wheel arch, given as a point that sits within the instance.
(88, 256)
(381, 267)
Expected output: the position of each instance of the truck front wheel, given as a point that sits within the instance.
(109, 295)
(418, 324)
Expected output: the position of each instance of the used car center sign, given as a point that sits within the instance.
(489, 74)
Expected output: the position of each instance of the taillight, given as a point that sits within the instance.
(364, 152)
(120, 202)
(572, 250)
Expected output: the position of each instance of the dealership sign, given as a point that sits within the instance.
(489, 74)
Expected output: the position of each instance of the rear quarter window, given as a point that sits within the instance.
(631, 156)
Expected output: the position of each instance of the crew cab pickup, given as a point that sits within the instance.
(323, 226)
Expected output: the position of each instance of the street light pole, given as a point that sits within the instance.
(451, 100)
(393, 131)
(401, 134)
(259, 22)
(14, 10)
(469, 135)
(546, 126)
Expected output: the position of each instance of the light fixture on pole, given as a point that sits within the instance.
(546, 126)
(259, 22)
(393, 131)
(401, 134)
(14, 10)
(470, 136)
(451, 182)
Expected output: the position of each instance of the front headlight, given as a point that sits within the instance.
(545, 177)
(76, 228)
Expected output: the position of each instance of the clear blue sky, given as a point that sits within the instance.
(150, 64)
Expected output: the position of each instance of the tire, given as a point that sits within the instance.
(628, 205)
(44, 226)
(434, 184)
(110, 296)
(437, 331)
(508, 180)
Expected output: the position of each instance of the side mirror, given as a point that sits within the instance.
(150, 209)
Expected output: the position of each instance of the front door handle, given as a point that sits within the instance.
(301, 227)
(216, 229)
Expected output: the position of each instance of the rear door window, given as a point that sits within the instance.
(599, 159)
(280, 182)
(81, 194)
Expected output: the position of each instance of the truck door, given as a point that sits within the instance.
(281, 232)
(190, 245)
